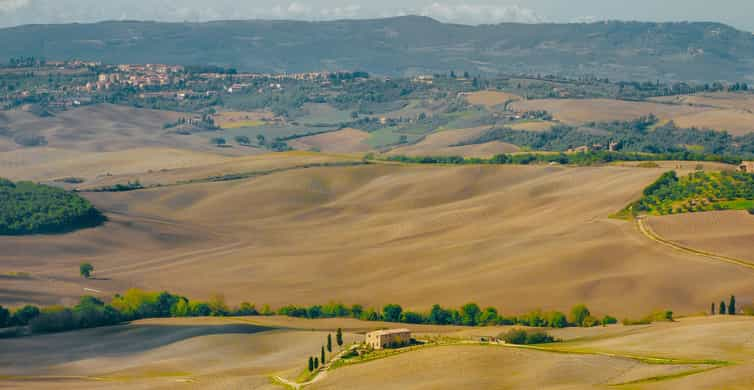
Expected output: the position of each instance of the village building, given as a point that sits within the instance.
(388, 338)
(746, 166)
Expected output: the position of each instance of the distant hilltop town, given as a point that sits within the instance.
(61, 84)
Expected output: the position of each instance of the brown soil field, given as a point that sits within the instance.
(736, 101)
(682, 167)
(206, 168)
(341, 141)
(729, 233)
(107, 128)
(194, 353)
(735, 122)
(533, 126)
(243, 352)
(481, 367)
(439, 144)
(416, 235)
(48, 164)
(579, 111)
(491, 98)
(600, 358)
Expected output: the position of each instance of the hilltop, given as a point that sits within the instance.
(406, 45)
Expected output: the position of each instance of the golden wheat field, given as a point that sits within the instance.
(449, 235)
(444, 143)
(341, 141)
(737, 101)
(735, 118)
(578, 111)
(491, 98)
(245, 352)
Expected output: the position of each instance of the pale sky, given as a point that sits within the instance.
(739, 13)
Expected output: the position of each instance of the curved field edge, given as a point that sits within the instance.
(652, 235)
(699, 366)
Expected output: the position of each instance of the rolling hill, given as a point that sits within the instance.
(406, 45)
(425, 235)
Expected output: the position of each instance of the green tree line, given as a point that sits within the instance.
(580, 158)
(137, 304)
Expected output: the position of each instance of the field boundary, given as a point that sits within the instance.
(707, 365)
(649, 233)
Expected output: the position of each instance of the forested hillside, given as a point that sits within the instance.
(406, 45)
(28, 208)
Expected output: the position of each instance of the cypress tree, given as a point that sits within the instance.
(323, 356)
(329, 342)
(712, 311)
(732, 305)
(311, 364)
(722, 307)
(316, 363)
(339, 337)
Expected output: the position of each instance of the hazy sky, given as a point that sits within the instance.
(739, 13)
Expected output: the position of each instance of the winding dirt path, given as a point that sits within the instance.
(649, 233)
(321, 374)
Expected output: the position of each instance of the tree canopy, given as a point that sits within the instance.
(29, 208)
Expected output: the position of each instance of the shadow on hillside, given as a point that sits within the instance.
(114, 341)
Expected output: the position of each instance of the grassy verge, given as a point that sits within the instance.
(278, 382)
(661, 378)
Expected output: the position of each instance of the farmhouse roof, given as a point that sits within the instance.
(389, 331)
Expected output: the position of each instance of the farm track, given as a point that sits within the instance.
(650, 234)
(176, 259)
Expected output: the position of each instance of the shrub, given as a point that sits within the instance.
(412, 318)
(470, 313)
(246, 309)
(30, 140)
(242, 140)
(751, 211)
(539, 337)
(24, 315)
(523, 337)
(660, 315)
(85, 269)
(351, 353)
(579, 313)
(608, 320)
(53, 319)
(4, 317)
(590, 321)
(392, 313)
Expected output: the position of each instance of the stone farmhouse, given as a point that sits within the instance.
(388, 338)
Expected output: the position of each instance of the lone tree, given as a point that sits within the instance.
(722, 307)
(712, 309)
(339, 337)
(86, 269)
(311, 364)
(323, 356)
(329, 342)
(732, 305)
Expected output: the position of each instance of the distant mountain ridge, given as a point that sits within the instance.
(405, 46)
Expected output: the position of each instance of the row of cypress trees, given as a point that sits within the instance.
(314, 361)
(722, 309)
